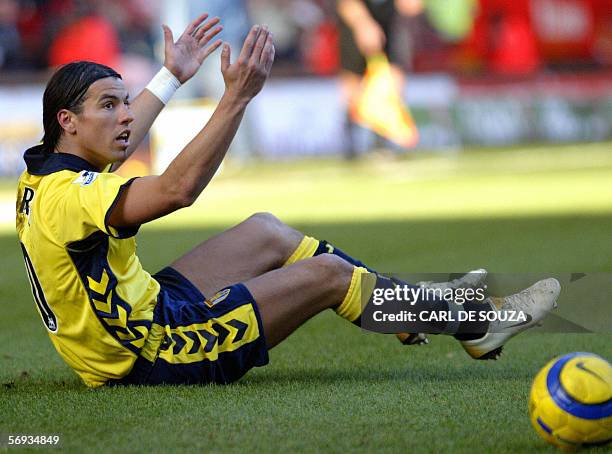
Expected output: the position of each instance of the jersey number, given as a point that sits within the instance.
(46, 313)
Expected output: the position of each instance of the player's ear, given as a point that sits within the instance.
(66, 118)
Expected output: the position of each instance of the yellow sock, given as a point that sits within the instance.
(306, 249)
(359, 292)
(361, 286)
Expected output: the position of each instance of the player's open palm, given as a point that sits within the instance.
(185, 56)
(246, 76)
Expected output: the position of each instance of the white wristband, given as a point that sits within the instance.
(163, 85)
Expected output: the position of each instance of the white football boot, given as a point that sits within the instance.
(473, 279)
(534, 302)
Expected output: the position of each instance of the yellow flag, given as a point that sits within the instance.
(380, 107)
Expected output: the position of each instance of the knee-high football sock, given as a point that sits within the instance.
(311, 247)
(351, 306)
(357, 307)
(362, 282)
(427, 311)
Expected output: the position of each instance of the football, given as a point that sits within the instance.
(570, 405)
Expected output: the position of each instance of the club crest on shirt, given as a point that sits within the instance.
(85, 178)
(217, 298)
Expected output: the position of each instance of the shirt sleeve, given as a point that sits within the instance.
(89, 201)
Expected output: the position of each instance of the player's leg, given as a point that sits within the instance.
(352, 66)
(281, 300)
(311, 247)
(260, 244)
(220, 339)
(257, 245)
(350, 88)
(289, 296)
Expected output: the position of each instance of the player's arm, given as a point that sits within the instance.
(188, 174)
(409, 8)
(369, 35)
(182, 59)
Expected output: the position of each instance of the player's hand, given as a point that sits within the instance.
(185, 56)
(246, 76)
(370, 38)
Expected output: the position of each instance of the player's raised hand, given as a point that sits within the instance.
(246, 76)
(185, 56)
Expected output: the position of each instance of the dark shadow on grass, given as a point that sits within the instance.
(436, 372)
(439, 372)
(21, 385)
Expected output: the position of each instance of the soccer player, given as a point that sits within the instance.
(214, 312)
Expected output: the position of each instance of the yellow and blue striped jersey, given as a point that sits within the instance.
(90, 289)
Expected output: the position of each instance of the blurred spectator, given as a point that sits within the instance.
(504, 38)
(305, 34)
(10, 42)
(84, 35)
(602, 34)
(499, 36)
(513, 48)
(136, 22)
(137, 26)
(208, 82)
(119, 34)
(277, 14)
(320, 48)
(31, 30)
(318, 41)
(236, 24)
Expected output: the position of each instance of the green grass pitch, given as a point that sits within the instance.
(330, 386)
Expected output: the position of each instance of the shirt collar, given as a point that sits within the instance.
(40, 163)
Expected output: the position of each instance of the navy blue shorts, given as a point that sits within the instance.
(194, 340)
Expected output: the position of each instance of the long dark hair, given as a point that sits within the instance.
(66, 90)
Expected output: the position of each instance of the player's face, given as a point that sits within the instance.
(103, 126)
